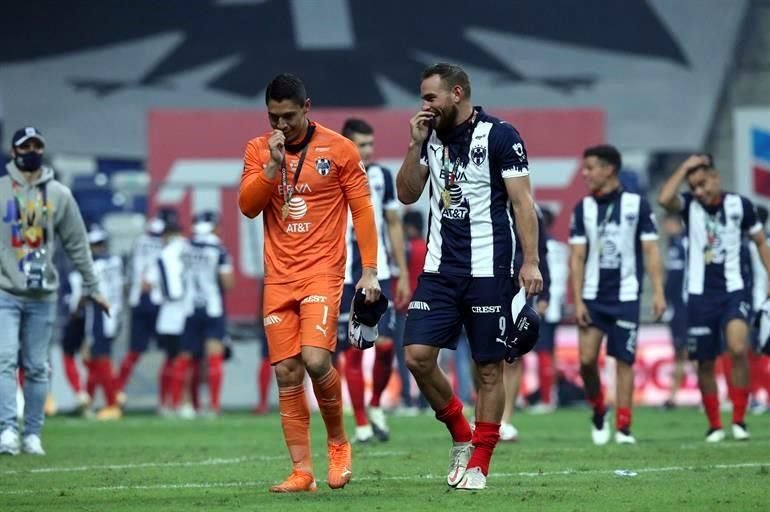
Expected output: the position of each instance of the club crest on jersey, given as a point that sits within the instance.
(479, 155)
(323, 166)
(631, 218)
(518, 148)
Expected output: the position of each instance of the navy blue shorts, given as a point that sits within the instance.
(678, 325)
(387, 323)
(547, 339)
(199, 328)
(74, 334)
(143, 321)
(100, 343)
(619, 321)
(708, 317)
(442, 305)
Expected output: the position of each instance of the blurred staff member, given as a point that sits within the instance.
(38, 209)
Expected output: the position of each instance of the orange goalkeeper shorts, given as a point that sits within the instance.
(302, 313)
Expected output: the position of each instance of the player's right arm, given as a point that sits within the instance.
(258, 178)
(578, 244)
(411, 178)
(668, 197)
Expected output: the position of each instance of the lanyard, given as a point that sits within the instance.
(607, 217)
(712, 227)
(288, 193)
(450, 172)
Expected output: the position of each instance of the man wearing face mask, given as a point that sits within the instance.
(37, 210)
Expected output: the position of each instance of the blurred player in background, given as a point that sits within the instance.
(209, 273)
(303, 177)
(100, 329)
(557, 256)
(513, 372)
(390, 245)
(476, 164)
(759, 363)
(612, 235)
(718, 303)
(676, 311)
(144, 297)
(175, 307)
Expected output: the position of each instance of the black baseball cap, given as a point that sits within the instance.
(22, 135)
(524, 333)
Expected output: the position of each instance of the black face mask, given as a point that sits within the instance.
(30, 162)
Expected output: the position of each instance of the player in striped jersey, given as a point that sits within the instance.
(100, 328)
(209, 273)
(612, 232)
(477, 166)
(390, 248)
(718, 305)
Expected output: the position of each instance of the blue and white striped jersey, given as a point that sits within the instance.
(176, 305)
(714, 233)
(613, 227)
(558, 267)
(472, 235)
(383, 200)
(109, 271)
(205, 259)
(144, 268)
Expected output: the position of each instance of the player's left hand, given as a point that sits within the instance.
(530, 279)
(658, 305)
(403, 292)
(370, 284)
(100, 302)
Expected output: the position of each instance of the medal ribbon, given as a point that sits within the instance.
(287, 194)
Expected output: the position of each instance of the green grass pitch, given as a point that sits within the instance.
(146, 463)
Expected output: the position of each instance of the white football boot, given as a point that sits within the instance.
(459, 456)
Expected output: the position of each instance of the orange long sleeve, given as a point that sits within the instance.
(256, 189)
(366, 231)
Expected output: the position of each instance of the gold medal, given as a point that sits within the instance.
(445, 198)
(285, 211)
(708, 256)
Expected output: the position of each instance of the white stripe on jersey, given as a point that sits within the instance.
(629, 283)
(479, 194)
(205, 259)
(557, 257)
(381, 187)
(143, 268)
(591, 273)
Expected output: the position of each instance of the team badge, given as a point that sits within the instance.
(323, 166)
(479, 155)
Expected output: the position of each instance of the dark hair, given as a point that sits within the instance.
(607, 153)
(286, 87)
(700, 167)
(354, 125)
(451, 74)
(414, 218)
(762, 214)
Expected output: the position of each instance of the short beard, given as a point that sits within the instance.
(448, 119)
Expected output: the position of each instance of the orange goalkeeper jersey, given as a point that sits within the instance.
(311, 239)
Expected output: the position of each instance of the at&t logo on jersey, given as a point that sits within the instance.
(457, 209)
